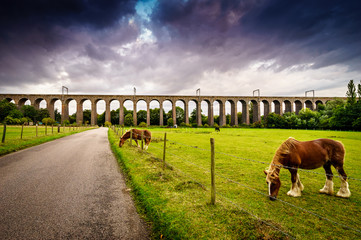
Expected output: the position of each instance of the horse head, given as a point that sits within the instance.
(274, 184)
(121, 143)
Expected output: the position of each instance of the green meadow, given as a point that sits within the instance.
(15, 141)
(176, 199)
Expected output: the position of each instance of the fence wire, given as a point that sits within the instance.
(263, 162)
(252, 189)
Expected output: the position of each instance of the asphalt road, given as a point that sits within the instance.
(69, 188)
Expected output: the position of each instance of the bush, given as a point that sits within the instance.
(170, 122)
(215, 125)
(142, 125)
(107, 124)
(206, 125)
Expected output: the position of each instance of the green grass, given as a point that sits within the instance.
(14, 142)
(177, 200)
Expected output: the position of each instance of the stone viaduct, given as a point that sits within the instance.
(280, 105)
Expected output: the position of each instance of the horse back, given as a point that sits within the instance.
(314, 154)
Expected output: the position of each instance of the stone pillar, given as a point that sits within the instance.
(94, 116)
(50, 107)
(134, 113)
(256, 111)
(161, 113)
(121, 112)
(222, 114)
(79, 112)
(299, 106)
(199, 113)
(210, 114)
(245, 113)
(148, 113)
(64, 111)
(174, 113)
(234, 119)
(186, 112)
(107, 111)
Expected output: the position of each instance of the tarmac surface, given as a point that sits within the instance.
(70, 188)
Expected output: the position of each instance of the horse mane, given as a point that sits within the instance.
(285, 148)
(127, 132)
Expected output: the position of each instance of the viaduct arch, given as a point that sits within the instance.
(270, 104)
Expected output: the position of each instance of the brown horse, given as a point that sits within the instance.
(137, 135)
(293, 154)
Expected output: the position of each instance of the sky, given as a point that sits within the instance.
(174, 47)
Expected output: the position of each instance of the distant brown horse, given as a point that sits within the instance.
(137, 135)
(293, 154)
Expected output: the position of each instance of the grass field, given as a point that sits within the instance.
(177, 200)
(14, 142)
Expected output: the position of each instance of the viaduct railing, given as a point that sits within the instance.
(280, 105)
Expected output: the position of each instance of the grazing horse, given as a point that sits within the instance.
(137, 135)
(293, 154)
(217, 129)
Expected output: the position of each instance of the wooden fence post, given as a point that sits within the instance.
(142, 140)
(4, 133)
(164, 147)
(131, 137)
(213, 183)
(46, 129)
(22, 130)
(36, 129)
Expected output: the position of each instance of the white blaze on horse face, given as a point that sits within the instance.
(269, 188)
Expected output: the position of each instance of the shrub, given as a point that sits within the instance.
(206, 125)
(143, 125)
(170, 122)
(107, 124)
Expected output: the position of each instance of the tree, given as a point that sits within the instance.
(179, 114)
(41, 113)
(15, 113)
(359, 92)
(351, 93)
(239, 117)
(154, 116)
(48, 121)
(101, 119)
(5, 108)
(141, 116)
(114, 117)
(29, 112)
(57, 116)
(128, 120)
(87, 115)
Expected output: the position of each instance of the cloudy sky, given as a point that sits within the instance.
(224, 47)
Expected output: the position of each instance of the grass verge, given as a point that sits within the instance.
(13, 141)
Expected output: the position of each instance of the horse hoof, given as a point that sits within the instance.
(326, 192)
(343, 195)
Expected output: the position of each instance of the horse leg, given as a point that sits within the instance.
(328, 188)
(295, 189)
(344, 191)
(136, 141)
(299, 184)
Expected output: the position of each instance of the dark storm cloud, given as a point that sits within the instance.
(292, 32)
(92, 13)
(34, 35)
